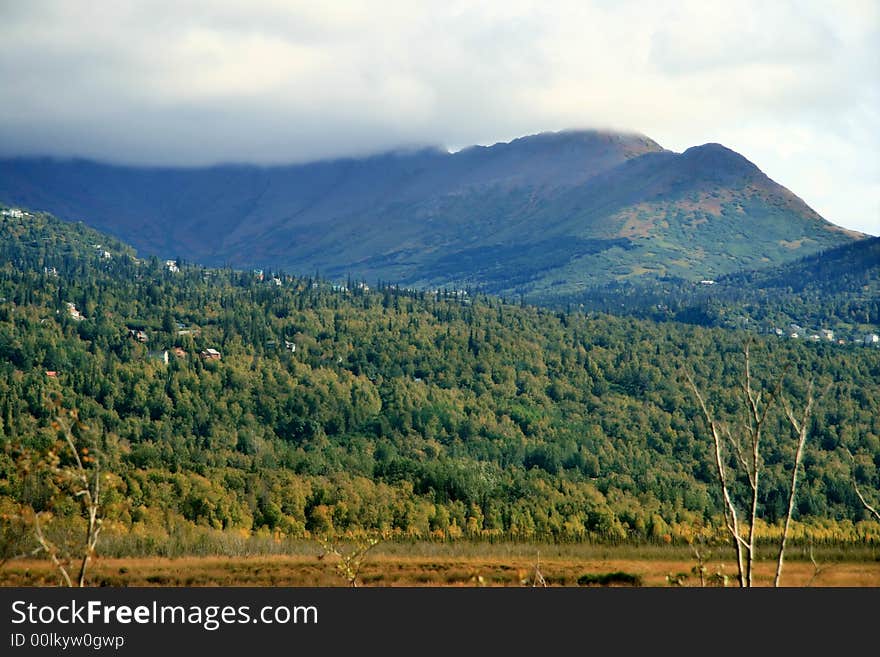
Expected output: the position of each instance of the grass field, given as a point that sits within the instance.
(458, 564)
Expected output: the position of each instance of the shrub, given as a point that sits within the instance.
(618, 578)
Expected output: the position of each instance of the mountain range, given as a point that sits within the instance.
(548, 214)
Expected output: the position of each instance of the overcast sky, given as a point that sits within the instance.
(793, 86)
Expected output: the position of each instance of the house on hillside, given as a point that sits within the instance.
(827, 334)
(171, 265)
(161, 356)
(73, 312)
(210, 354)
(139, 335)
(178, 352)
(872, 339)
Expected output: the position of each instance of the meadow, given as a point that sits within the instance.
(464, 563)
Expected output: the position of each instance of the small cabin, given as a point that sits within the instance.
(210, 354)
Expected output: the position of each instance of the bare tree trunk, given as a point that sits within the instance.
(865, 502)
(750, 552)
(748, 455)
(77, 480)
(801, 427)
(754, 467)
(50, 549)
(872, 510)
(730, 515)
(94, 526)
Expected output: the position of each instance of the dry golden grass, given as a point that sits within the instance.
(502, 566)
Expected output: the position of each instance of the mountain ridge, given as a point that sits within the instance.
(553, 210)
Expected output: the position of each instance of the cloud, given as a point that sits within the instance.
(794, 86)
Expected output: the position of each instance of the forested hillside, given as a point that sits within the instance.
(836, 289)
(427, 414)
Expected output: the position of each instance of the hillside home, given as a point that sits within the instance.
(140, 336)
(210, 354)
(828, 334)
(171, 265)
(73, 312)
(872, 339)
(161, 356)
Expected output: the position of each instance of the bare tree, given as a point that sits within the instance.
(538, 578)
(742, 440)
(351, 559)
(868, 506)
(801, 427)
(80, 476)
(817, 568)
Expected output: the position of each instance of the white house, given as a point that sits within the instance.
(161, 356)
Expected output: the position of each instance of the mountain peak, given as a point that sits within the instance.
(715, 154)
(563, 158)
(590, 138)
(545, 212)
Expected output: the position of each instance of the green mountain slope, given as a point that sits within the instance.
(431, 415)
(837, 289)
(548, 214)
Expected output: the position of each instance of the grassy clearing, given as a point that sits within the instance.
(459, 564)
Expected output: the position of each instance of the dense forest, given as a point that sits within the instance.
(442, 414)
(837, 289)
